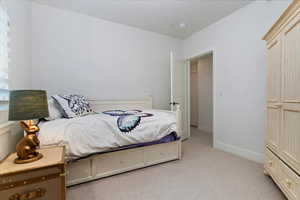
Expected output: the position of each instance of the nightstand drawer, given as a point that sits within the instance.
(29, 175)
(52, 189)
(40, 180)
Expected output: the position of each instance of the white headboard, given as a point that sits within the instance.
(100, 105)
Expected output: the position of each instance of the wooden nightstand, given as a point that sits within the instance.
(40, 180)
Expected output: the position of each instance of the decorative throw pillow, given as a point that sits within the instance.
(54, 110)
(73, 105)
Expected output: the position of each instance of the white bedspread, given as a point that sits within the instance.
(94, 133)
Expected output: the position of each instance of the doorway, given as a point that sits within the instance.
(201, 97)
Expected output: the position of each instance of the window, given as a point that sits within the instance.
(4, 50)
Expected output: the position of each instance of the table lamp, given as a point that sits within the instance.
(26, 106)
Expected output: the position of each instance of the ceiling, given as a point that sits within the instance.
(176, 18)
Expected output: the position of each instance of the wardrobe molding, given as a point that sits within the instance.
(290, 12)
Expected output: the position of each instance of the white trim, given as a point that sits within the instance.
(187, 96)
(171, 77)
(204, 129)
(245, 153)
(203, 53)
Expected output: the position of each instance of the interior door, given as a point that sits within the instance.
(178, 70)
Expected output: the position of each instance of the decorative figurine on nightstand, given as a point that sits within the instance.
(28, 105)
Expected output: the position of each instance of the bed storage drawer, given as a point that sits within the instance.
(116, 162)
(289, 181)
(111, 163)
(161, 153)
(79, 171)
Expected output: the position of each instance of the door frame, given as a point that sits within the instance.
(188, 93)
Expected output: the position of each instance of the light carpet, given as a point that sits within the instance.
(203, 173)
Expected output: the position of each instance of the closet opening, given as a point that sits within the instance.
(201, 98)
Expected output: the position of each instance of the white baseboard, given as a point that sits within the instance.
(205, 129)
(245, 153)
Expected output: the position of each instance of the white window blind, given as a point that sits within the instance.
(4, 53)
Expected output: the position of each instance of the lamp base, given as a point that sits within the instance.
(26, 148)
(29, 160)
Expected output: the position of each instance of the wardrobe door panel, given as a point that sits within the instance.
(274, 71)
(291, 69)
(290, 136)
(273, 126)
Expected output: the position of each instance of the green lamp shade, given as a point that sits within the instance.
(27, 105)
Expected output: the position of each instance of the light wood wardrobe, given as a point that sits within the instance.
(282, 159)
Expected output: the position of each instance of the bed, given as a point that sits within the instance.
(92, 155)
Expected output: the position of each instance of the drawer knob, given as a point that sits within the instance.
(63, 174)
(278, 105)
(270, 163)
(288, 183)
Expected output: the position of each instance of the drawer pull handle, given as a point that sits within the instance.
(289, 183)
(270, 163)
(40, 192)
(63, 174)
(278, 105)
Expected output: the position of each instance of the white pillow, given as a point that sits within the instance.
(54, 110)
(73, 105)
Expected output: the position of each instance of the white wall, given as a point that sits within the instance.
(19, 67)
(194, 94)
(205, 96)
(20, 45)
(239, 75)
(74, 53)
